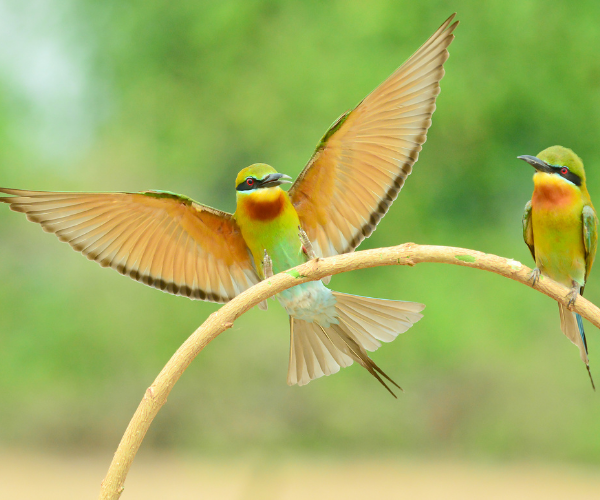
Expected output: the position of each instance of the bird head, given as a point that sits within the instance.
(560, 163)
(259, 176)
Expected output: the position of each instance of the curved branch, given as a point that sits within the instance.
(408, 254)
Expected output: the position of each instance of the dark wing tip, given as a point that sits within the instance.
(170, 287)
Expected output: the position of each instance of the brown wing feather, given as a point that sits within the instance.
(362, 161)
(163, 240)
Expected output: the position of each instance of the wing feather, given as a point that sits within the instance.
(364, 158)
(160, 239)
(528, 229)
(158, 258)
(590, 238)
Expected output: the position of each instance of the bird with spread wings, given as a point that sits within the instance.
(182, 247)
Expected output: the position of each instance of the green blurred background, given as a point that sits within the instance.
(124, 96)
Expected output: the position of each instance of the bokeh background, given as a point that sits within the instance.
(125, 96)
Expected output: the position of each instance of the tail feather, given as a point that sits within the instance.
(364, 323)
(357, 353)
(303, 346)
(392, 309)
(309, 343)
(571, 325)
(382, 304)
(366, 316)
(581, 332)
(358, 326)
(325, 362)
(341, 359)
(303, 371)
(387, 329)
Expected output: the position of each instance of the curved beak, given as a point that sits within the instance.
(272, 180)
(535, 162)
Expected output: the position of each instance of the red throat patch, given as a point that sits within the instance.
(553, 194)
(264, 210)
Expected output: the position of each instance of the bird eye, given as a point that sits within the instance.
(249, 181)
(564, 171)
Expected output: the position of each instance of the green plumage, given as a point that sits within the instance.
(560, 228)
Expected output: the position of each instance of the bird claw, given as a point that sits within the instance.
(308, 249)
(306, 244)
(267, 272)
(267, 265)
(534, 276)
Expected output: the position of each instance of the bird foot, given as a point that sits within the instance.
(267, 272)
(534, 276)
(308, 249)
(306, 244)
(267, 265)
(573, 294)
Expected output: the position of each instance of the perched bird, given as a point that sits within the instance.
(172, 243)
(560, 228)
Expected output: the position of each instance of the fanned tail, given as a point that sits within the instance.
(364, 323)
(571, 325)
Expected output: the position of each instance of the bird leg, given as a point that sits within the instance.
(308, 249)
(267, 264)
(573, 294)
(534, 276)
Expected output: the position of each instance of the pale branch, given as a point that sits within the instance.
(408, 254)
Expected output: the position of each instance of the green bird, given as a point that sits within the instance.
(560, 228)
(177, 245)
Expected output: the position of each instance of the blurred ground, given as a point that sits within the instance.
(39, 476)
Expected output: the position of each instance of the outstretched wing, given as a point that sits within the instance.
(362, 161)
(161, 239)
(528, 229)
(590, 238)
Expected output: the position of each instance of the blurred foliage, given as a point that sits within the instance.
(115, 96)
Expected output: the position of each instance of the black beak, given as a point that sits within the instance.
(535, 162)
(272, 180)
